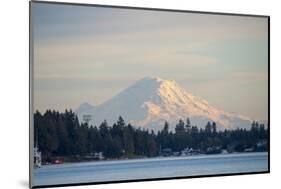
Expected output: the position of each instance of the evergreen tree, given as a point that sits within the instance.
(188, 126)
(128, 140)
(64, 144)
(180, 128)
(61, 134)
(166, 128)
(180, 140)
(214, 127)
(104, 129)
(208, 128)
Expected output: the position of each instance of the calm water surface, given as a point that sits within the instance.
(151, 168)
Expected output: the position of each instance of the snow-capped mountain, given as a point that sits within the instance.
(151, 101)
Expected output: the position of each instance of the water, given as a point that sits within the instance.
(160, 167)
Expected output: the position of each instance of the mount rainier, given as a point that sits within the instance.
(150, 102)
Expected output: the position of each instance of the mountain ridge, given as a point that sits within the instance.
(151, 101)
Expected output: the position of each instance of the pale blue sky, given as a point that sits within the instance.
(89, 54)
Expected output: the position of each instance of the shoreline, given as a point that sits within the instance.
(159, 158)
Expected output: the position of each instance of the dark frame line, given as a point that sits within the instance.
(134, 8)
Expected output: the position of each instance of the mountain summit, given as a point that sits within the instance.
(150, 102)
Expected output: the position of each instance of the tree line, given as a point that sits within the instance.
(61, 135)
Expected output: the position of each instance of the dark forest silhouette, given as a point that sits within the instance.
(61, 135)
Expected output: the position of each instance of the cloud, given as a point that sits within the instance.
(67, 57)
(56, 22)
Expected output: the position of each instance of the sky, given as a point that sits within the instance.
(89, 54)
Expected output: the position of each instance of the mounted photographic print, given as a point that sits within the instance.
(122, 94)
